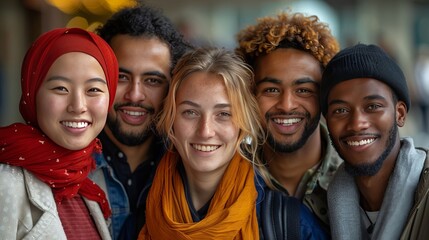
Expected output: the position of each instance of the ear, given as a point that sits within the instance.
(401, 113)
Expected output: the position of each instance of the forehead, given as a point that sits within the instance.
(143, 46)
(287, 63)
(74, 63)
(201, 85)
(359, 88)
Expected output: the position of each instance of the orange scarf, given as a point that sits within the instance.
(232, 211)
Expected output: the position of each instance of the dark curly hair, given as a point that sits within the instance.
(296, 30)
(142, 20)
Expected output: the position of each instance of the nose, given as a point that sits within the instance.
(77, 103)
(135, 91)
(206, 128)
(358, 121)
(286, 102)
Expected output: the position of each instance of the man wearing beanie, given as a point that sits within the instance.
(381, 189)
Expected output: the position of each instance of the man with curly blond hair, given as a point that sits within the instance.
(288, 53)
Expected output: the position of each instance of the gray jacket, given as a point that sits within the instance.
(28, 209)
(418, 220)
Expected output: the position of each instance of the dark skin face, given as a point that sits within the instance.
(287, 90)
(362, 119)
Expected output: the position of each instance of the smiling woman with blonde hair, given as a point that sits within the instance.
(206, 185)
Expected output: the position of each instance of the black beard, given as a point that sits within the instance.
(310, 127)
(129, 139)
(373, 168)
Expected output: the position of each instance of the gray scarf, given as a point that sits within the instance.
(343, 199)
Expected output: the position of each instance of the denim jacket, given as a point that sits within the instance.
(124, 224)
(117, 196)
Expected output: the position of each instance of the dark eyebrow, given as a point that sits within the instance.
(336, 101)
(370, 97)
(150, 73)
(220, 105)
(296, 82)
(268, 80)
(306, 80)
(374, 97)
(60, 78)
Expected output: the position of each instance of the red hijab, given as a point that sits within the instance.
(24, 145)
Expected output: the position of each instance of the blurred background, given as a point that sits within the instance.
(401, 27)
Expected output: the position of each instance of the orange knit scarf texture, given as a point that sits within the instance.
(232, 211)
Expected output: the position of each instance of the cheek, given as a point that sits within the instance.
(99, 106)
(264, 105)
(311, 104)
(120, 92)
(48, 107)
(334, 127)
(49, 111)
(181, 132)
(156, 97)
(230, 133)
(230, 137)
(182, 127)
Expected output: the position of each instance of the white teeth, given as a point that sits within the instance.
(205, 148)
(287, 121)
(75, 124)
(132, 113)
(361, 142)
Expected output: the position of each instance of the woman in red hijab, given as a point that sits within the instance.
(69, 79)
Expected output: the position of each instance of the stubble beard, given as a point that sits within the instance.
(310, 127)
(129, 138)
(371, 169)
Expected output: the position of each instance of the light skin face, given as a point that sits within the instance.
(287, 91)
(361, 118)
(73, 101)
(205, 135)
(144, 76)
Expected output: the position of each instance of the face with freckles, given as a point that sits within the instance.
(363, 118)
(287, 91)
(204, 132)
(73, 100)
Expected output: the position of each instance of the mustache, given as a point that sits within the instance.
(149, 109)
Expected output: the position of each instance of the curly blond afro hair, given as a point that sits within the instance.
(296, 30)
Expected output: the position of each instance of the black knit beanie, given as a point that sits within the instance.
(363, 61)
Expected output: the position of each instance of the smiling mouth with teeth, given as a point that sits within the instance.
(287, 121)
(361, 142)
(134, 113)
(205, 148)
(75, 124)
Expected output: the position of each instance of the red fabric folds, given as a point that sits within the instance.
(24, 145)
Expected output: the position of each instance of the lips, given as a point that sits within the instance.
(134, 113)
(133, 116)
(286, 126)
(361, 142)
(287, 121)
(205, 148)
(77, 125)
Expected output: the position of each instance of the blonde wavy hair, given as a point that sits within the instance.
(238, 80)
(287, 30)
